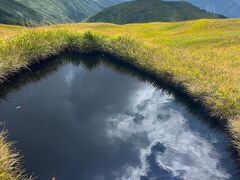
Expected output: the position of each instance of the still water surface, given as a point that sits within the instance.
(83, 118)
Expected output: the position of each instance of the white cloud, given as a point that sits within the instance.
(187, 154)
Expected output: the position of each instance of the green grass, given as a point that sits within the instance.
(201, 58)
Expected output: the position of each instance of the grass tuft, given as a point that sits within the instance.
(10, 167)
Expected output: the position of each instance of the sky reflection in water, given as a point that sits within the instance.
(98, 123)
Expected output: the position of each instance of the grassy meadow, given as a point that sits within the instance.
(200, 58)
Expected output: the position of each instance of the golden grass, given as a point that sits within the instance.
(9, 161)
(202, 58)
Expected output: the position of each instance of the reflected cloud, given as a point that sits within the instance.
(69, 76)
(173, 147)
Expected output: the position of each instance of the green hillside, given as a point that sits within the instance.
(68, 10)
(229, 8)
(12, 12)
(141, 11)
(37, 12)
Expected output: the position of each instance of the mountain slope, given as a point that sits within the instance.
(141, 11)
(12, 12)
(68, 10)
(229, 8)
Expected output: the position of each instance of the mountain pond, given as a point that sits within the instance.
(90, 117)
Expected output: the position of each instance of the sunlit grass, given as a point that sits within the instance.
(201, 58)
(10, 168)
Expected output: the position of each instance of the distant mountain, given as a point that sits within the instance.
(12, 12)
(229, 8)
(141, 11)
(68, 10)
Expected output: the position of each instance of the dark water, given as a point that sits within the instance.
(85, 118)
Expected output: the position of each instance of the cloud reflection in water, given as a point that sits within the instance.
(173, 148)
